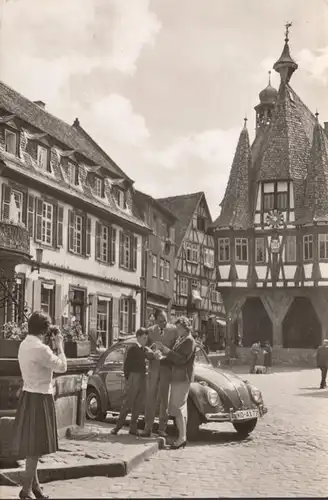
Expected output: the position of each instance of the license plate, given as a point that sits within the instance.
(246, 414)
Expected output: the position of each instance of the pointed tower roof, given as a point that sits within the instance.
(235, 205)
(269, 94)
(316, 190)
(285, 65)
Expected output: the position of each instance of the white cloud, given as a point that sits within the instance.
(315, 63)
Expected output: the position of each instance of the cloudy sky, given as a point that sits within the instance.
(163, 85)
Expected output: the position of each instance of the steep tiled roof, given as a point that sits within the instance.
(235, 205)
(288, 152)
(141, 199)
(316, 191)
(183, 207)
(74, 137)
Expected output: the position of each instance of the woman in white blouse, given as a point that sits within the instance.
(35, 423)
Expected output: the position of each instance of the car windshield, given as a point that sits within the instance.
(201, 356)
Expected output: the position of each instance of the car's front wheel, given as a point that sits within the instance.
(245, 428)
(193, 422)
(94, 406)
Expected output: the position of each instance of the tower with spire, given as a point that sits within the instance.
(272, 232)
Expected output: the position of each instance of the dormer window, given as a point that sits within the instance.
(120, 197)
(11, 142)
(275, 196)
(99, 187)
(72, 174)
(43, 158)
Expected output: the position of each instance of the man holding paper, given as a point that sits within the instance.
(159, 375)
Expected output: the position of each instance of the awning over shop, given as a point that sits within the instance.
(221, 322)
(157, 305)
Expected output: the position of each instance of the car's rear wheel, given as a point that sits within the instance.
(94, 407)
(194, 421)
(245, 428)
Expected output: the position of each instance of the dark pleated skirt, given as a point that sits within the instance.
(35, 427)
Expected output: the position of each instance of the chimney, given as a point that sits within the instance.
(41, 104)
(326, 127)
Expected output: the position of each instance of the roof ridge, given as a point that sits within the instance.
(198, 193)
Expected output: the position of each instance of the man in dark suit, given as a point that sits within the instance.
(135, 385)
(322, 362)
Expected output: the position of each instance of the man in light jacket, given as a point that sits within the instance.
(159, 375)
(322, 362)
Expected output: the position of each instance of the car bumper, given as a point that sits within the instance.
(237, 416)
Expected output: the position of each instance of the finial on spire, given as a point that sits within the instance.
(269, 76)
(245, 121)
(317, 115)
(287, 26)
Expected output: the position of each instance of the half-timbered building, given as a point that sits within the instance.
(272, 233)
(86, 242)
(195, 291)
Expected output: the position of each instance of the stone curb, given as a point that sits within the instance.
(112, 468)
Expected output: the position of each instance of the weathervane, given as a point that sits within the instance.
(287, 25)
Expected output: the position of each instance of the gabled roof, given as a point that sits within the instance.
(183, 206)
(141, 199)
(288, 152)
(316, 190)
(73, 137)
(235, 204)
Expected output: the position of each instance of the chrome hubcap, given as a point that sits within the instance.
(92, 405)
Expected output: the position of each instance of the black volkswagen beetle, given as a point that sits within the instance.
(215, 395)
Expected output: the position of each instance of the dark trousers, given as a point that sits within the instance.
(133, 399)
(158, 386)
(324, 370)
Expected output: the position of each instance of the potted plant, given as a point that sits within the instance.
(76, 342)
(12, 335)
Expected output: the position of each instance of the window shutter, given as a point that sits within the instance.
(98, 240)
(54, 226)
(36, 295)
(38, 219)
(6, 193)
(71, 231)
(132, 316)
(121, 314)
(58, 304)
(88, 237)
(134, 252)
(121, 248)
(60, 224)
(93, 322)
(103, 188)
(113, 245)
(116, 318)
(30, 215)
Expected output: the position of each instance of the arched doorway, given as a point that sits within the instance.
(257, 325)
(301, 326)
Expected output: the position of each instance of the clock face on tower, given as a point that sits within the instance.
(275, 219)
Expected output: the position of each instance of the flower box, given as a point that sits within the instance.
(77, 349)
(9, 348)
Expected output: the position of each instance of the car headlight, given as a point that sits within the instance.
(212, 397)
(256, 394)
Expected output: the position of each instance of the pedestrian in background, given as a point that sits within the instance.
(267, 360)
(322, 362)
(35, 427)
(255, 353)
(135, 382)
(181, 361)
(159, 376)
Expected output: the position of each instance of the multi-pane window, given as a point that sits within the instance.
(192, 252)
(209, 257)
(79, 233)
(224, 249)
(268, 202)
(161, 268)
(105, 243)
(120, 197)
(47, 222)
(167, 267)
(241, 249)
(259, 250)
(11, 142)
(216, 297)
(128, 251)
(103, 322)
(99, 187)
(48, 299)
(127, 315)
(323, 246)
(308, 247)
(183, 283)
(18, 197)
(290, 254)
(77, 239)
(275, 196)
(72, 173)
(42, 157)
(154, 263)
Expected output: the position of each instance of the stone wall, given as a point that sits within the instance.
(280, 357)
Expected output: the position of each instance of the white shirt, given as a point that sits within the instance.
(37, 363)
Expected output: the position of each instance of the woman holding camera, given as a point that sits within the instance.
(35, 424)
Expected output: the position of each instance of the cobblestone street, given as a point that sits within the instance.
(286, 455)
